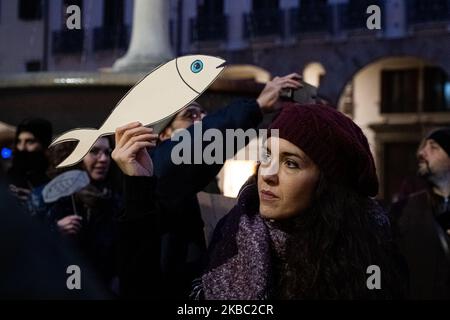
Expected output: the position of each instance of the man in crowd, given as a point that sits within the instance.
(423, 221)
(30, 161)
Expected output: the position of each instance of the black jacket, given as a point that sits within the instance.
(34, 263)
(167, 205)
(421, 241)
(97, 239)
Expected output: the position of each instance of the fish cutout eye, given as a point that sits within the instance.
(197, 66)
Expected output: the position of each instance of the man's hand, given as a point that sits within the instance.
(268, 97)
(131, 153)
(70, 225)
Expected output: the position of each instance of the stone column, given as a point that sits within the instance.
(235, 11)
(150, 43)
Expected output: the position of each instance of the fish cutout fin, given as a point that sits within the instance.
(86, 139)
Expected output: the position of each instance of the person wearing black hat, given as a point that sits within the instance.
(422, 221)
(30, 162)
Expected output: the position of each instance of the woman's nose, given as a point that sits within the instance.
(270, 173)
(103, 157)
(271, 179)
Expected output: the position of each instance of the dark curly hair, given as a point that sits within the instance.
(332, 245)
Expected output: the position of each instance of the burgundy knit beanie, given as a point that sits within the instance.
(333, 141)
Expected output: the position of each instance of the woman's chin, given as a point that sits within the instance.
(268, 213)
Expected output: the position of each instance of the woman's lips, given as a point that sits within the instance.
(267, 195)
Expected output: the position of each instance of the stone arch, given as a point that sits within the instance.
(351, 75)
(410, 58)
(313, 72)
(354, 56)
(246, 72)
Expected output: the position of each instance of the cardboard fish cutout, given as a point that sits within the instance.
(159, 95)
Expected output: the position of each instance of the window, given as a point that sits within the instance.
(435, 82)
(266, 19)
(399, 91)
(264, 5)
(354, 13)
(420, 11)
(30, 10)
(113, 34)
(68, 3)
(211, 23)
(33, 66)
(113, 13)
(311, 16)
(414, 90)
(210, 7)
(65, 5)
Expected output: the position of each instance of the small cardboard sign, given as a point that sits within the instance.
(65, 185)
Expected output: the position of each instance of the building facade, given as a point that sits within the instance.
(393, 81)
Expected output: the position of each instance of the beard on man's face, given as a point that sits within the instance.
(424, 169)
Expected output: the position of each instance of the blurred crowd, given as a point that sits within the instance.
(136, 222)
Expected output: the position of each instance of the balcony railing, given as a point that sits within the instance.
(420, 11)
(353, 15)
(264, 23)
(112, 37)
(209, 28)
(67, 41)
(310, 19)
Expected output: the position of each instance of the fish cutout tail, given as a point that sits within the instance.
(86, 138)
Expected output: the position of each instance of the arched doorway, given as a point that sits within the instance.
(396, 100)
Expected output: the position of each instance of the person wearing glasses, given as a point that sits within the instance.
(88, 219)
(183, 120)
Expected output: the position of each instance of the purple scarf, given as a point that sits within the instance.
(247, 251)
(241, 253)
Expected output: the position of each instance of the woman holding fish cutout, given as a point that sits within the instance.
(309, 229)
(176, 184)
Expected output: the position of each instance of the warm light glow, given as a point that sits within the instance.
(236, 173)
(312, 73)
(240, 72)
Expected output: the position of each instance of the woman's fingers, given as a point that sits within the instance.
(124, 133)
(289, 83)
(134, 148)
(293, 82)
(120, 131)
(70, 221)
(293, 75)
(130, 133)
(138, 138)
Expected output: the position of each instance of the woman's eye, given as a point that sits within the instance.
(197, 66)
(265, 157)
(291, 164)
